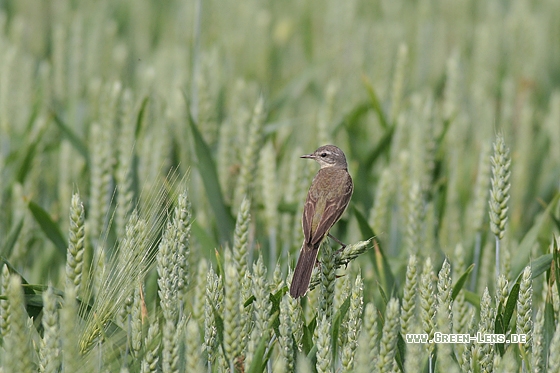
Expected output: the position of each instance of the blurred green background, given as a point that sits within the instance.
(430, 81)
(96, 96)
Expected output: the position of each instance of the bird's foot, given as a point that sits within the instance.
(340, 250)
(339, 242)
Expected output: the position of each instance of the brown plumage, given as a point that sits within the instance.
(327, 199)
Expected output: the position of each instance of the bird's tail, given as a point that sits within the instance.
(304, 268)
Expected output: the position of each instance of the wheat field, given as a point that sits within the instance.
(151, 186)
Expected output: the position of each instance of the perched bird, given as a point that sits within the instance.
(327, 199)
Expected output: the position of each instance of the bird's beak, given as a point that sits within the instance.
(308, 156)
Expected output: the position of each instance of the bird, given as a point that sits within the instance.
(327, 199)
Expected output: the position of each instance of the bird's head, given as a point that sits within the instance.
(328, 156)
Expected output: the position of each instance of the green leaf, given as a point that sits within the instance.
(312, 356)
(49, 227)
(207, 168)
(556, 261)
(33, 301)
(383, 295)
(551, 209)
(140, 118)
(375, 102)
(293, 88)
(38, 288)
(249, 301)
(74, 139)
(499, 328)
(11, 239)
(523, 251)
(539, 265)
(335, 328)
(26, 163)
(504, 314)
(382, 146)
(33, 304)
(219, 263)
(510, 305)
(13, 271)
(353, 116)
(378, 258)
(206, 241)
(549, 324)
(257, 362)
(401, 352)
(472, 298)
(461, 282)
(275, 317)
(555, 220)
(307, 340)
(446, 125)
(275, 300)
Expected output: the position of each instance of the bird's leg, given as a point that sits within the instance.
(340, 242)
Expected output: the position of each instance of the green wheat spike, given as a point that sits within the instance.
(444, 301)
(362, 360)
(323, 344)
(353, 325)
(213, 301)
(76, 237)
(269, 191)
(507, 363)
(125, 154)
(502, 291)
(486, 351)
(192, 346)
(554, 352)
(246, 180)
(240, 239)
(370, 327)
(49, 353)
(262, 305)
(414, 226)
(379, 214)
(427, 302)
(525, 307)
(4, 305)
(136, 322)
(231, 311)
(388, 342)
(200, 291)
(398, 81)
(499, 193)
(328, 277)
(286, 337)
(71, 361)
(150, 360)
(19, 352)
(415, 354)
(409, 294)
(537, 351)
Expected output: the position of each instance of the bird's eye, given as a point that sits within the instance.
(323, 155)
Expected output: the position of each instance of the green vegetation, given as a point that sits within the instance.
(151, 189)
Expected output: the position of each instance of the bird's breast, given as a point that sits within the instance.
(330, 187)
(330, 183)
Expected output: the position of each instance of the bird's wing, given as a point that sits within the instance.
(334, 207)
(307, 220)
